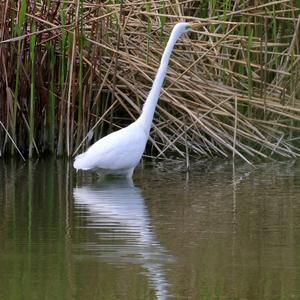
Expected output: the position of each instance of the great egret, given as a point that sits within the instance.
(120, 152)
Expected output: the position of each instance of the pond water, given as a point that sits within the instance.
(221, 231)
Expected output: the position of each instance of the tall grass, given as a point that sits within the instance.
(32, 90)
(17, 28)
(70, 72)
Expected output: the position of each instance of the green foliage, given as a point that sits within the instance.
(162, 19)
(22, 17)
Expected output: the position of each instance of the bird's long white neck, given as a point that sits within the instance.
(151, 101)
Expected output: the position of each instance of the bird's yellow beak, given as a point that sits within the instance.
(196, 25)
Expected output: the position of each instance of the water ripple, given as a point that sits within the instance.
(116, 212)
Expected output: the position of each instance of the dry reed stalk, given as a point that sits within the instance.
(233, 87)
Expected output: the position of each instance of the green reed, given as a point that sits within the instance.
(52, 99)
(149, 29)
(18, 29)
(248, 65)
(62, 78)
(32, 90)
(80, 75)
(162, 20)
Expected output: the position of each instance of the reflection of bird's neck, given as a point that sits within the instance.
(151, 101)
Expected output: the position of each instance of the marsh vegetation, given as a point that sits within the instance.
(73, 71)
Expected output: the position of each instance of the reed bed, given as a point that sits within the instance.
(73, 71)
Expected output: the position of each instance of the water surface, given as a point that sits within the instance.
(218, 232)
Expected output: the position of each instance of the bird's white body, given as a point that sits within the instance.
(117, 153)
(120, 152)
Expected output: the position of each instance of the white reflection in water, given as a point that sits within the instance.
(116, 209)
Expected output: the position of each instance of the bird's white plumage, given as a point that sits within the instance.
(121, 151)
(118, 152)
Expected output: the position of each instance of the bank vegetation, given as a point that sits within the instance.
(73, 71)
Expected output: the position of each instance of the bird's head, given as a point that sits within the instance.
(193, 26)
(184, 27)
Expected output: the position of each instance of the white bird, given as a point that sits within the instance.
(120, 152)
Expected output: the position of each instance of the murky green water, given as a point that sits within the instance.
(219, 233)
